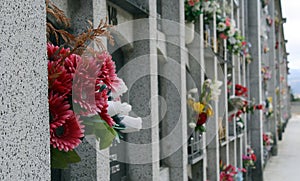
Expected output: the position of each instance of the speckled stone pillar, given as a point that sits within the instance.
(140, 75)
(174, 124)
(24, 121)
(272, 85)
(94, 163)
(254, 26)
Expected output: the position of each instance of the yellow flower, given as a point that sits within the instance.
(209, 111)
(198, 107)
(270, 99)
(190, 102)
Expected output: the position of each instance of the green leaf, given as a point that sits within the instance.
(95, 119)
(61, 159)
(105, 134)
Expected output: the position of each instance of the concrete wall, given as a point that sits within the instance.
(24, 121)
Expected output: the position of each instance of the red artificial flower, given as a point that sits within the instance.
(107, 74)
(56, 53)
(244, 43)
(277, 45)
(60, 73)
(86, 90)
(71, 62)
(102, 104)
(59, 80)
(191, 2)
(67, 136)
(223, 36)
(84, 86)
(65, 128)
(59, 110)
(259, 107)
(240, 90)
(227, 21)
(239, 112)
(253, 157)
(202, 118)
(231, 117)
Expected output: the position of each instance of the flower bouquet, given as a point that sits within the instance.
(83, 91)
(268, 140)
(249, 159)
(201, 110)
(231, 173)
(209, 7)
(192, 10)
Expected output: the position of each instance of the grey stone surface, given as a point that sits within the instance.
(254, 26)
(140, 75)
(94, 163)
(174, 91)
(272, 85)
(24, 121)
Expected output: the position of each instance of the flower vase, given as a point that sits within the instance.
(189, 32)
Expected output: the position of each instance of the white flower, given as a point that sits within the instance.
(192, 125)
(237, 101)
(232, 40)
(207, 81)
(131, 124)
(236, 47)
(193, 91)
(215, 5)
(206, 5)
(116, 107)
(231, 32)
(196, 7)
(210, 10)
(232, 23)
(240, 124)
(221, 26)
(215, 91)
(120, 89)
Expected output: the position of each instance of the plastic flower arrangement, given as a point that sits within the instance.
(192, 9)
(83, 92)
(266, 49)
(202, 110)
(249, 159)
(237, 44)
(225, 27)
(267, 139)
(209, 7)
(239, 105)
(231, 173)
(269, 20)
(268, 107)
(266, 73)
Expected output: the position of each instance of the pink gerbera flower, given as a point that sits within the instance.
(84, 83)
(223, 36)
(191, 2)
(227, 22)
(67, 136)
(59, 110)
(71, 63)
(107, 74)
(55, 52)
(102, 104)
(59, 80)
